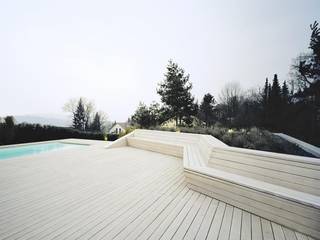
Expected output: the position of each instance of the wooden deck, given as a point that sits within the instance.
(120, 193)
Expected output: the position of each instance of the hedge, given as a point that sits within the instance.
(23, 133)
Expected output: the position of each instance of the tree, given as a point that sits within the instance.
(275, 103)
(275, 94)
(96, 124)
(265, 94)
(151, 116)
(79, 117)
(265, 103)
(250, 110)
(206, 109)
(8, 131)
(300, 108)
(142, 116)
(9, 121)
(189, 110)
(88, 109)
(285, 93)
(307, 67)
(155, 114)
(175, 93)
(230, 100)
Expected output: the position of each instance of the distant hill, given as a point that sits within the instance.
(54, 120)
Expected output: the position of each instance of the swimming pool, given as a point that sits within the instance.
(31, 149)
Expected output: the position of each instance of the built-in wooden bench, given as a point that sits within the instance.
(279, 187)
(275, 169)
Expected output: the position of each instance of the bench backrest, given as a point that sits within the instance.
(195, 140)
(299, 173)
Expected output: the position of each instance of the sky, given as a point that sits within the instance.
(115, 52)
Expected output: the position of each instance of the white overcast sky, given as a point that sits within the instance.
(115, 52)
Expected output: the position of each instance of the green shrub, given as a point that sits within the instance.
(253, 138)
(130, 129)
(159, 128)
(112, 137)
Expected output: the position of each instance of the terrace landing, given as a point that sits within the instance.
(119, 193)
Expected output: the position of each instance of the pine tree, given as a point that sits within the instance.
(79, 118)
(284, 111)
(285, 93)
(96, 124)
(175, 93)
(206, 111)
(265, 94)
(142, 116)
(275, 89)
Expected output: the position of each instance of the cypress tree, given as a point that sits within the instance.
(275, 103)
(265, 94)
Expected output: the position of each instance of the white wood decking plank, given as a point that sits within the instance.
(246, 226)
(170, 218)
(256, 228)
(216, 222)
(194, 228)
(301, 236)
(226, 224)
(277, 232)
(266, 230)
(150, 223)
(174, 226)
(185, 225)
(289, 234)
(235, 231)
(205, 225)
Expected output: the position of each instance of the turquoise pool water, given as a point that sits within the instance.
(18, 151)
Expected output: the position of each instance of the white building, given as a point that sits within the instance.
(118, 128)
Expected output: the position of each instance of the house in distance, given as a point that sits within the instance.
(118, 128)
